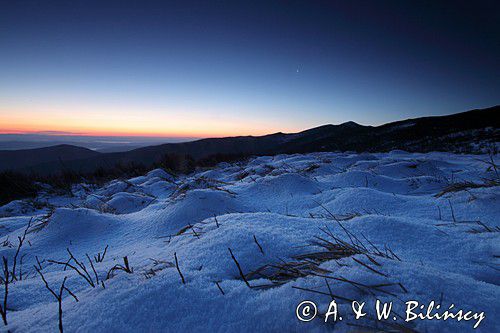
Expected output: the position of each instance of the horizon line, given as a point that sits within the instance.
(61, 133)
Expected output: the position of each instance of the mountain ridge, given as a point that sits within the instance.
(456, 132)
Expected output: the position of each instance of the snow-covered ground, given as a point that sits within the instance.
(393, 227)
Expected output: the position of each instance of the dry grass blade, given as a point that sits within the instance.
(21, 240)
(333, 248)
(370, 268)
(58, 296)
(239, 268)
(360, 286)
(466, 185)
(178, 269)
(256, 242)
(484, 228)
(5, 280)
(125, 267)
(286, 271)
(100, 257)
(43, 221)
(323, 293)
(220, 288)
(80, 270)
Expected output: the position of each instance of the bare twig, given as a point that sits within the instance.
(125, 267)
(370, 268)
(194, 231)
(57, 296)
(220, 288)
(6, 279)
(99, 257)
(84, 274)
(38, 262)
(93, 269)
(239, 268)
(178, 269)
(256, 242)
(323, 293)
(452, 211)
(19, 245)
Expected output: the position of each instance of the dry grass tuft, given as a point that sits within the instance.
(466, 185)
(43, 221)
(330, 247)
(483, 228)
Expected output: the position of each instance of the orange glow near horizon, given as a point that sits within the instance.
(55, 133)
(172, 125)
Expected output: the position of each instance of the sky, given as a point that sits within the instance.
(218, 68)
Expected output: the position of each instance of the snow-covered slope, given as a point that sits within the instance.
(393, 227)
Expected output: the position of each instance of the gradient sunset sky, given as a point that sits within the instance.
(217, 68)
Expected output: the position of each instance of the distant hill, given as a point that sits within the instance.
(26, 159)
(461, 132)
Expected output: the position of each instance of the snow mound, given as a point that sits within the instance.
(165, 253)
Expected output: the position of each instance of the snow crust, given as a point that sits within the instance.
(280, 203)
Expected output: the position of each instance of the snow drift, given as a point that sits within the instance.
(393, 226)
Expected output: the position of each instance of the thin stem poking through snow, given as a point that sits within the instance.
(19, 246)
(220, 288)
(239, 268)
(256, 242)
(178, 269)
(57, 296)
(5, 278)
